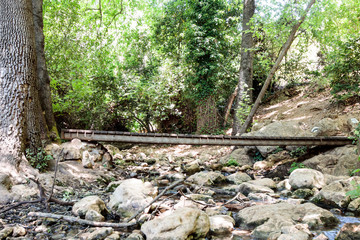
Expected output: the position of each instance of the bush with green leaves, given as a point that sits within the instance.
(344, 69)
(295, 166)
(38, 158)
(232, 162)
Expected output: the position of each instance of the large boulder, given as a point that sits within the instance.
(339, 161)
(239, 155)
(306, 178)
(280, 129)
(271, 221)
(326, 127)
(207, 178)
(182, 224)
(90, 208)
(334, 194)
(130, 196)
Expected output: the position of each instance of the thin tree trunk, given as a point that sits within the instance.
(282, 53)
(43, 78)
(245, 84)
(229, 104)
(17, 74)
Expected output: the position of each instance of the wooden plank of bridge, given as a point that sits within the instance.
(181, 139)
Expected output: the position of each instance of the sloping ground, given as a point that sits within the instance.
(308, 107)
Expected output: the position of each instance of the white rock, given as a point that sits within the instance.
(221, 224)
(179, 225)
(88, 207)
(306, 178)
(131, 195)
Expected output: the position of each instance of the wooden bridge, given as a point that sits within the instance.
(184, 139)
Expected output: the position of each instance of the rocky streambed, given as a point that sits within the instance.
(249, 193)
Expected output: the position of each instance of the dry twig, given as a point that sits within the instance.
(81, 221)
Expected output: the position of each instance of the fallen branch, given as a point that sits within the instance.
(155, 199)
(18, 204)
(80, 221)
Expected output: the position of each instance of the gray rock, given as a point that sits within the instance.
(246, 188)
(5, 196)
(303, 193)
(350, 231)
(338, 161)
(5, 181)
(334, 194)
(354, 206)
(207, 178)
(87, 160)
(269, 220)
(130, 196)
(23, 192)
(221, 224)
(192, 168)
(238, 178)
(6, 232)
(281, 129)
(306, 178)
(326, 127)
(135, 236)
(240, 156)
(261, 197)
(18, 231)
(72, 150)
(265, 182)
(321, 237)
(179, 225)
(99, 233)
(90, 207)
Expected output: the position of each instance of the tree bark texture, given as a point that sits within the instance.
(43, 79)
(282, 53)
(17, 74)
(245, 84)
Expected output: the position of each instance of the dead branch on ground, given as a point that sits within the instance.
(81, 221)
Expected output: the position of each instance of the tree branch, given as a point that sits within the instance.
(80, 221)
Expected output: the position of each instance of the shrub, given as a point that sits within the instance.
(38, 158)
(344, 69)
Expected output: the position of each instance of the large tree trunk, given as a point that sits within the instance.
(43, 78)
(17, 75)
(43, 75)
(245, 85)
(282, 53)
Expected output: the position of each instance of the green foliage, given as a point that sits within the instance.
(258, 157)
(355, 193)
(38, 159)
(66, 196)
(232, 162)
(299, 151)
(295, 166)
(344, 69)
